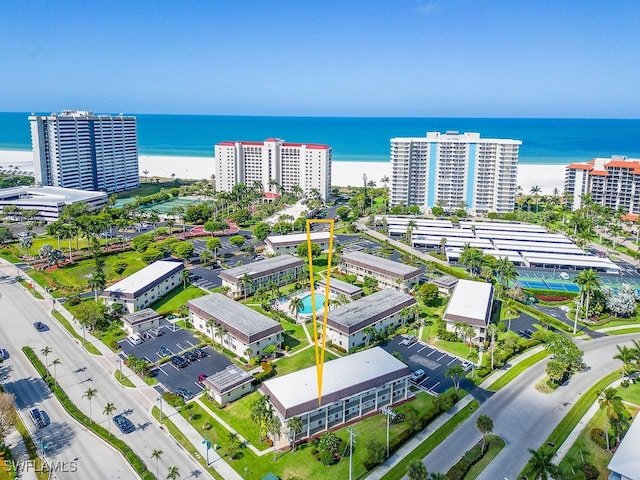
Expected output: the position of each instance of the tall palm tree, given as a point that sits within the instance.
(173, 473)
(295, 306)
(492, 331)
(247, 282)
(485, 425)
(541, 465)
(146, 172)
(157, 453)
(45, 352)
(185, 278)
(535, 191)
(89, 394)
(587, 280)
(55, 364)
(626, 355)
(109, 408)
(471, 258)
(170, 222)
(211, 324)
(295, 427)
(417, 471)
(611, 403)
(220, 332)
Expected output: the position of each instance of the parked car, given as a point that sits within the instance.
(124, 424)
(190, 356)
(200, 353)
(467, 366)
(201, 378)
(135, 339)
(41, 327)
(417, 375)
(163, 351)
(178, 361)
(564, 275)
(410, 340)
(37, 418)
(3, 354)
(184, 393)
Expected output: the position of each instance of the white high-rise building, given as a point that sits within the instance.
(77, 149)
(455, 171)
(307, 166)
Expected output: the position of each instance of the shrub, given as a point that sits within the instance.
(448, 336)
(444, 403)
(268, 372)
(589, 471)
(173, 399)
(459, 470)
(328, 458)
(597, 435)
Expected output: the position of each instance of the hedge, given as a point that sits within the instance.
(134, 460)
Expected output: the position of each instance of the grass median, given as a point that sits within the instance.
(516, 370)
(89, 347)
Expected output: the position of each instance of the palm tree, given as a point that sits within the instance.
(247, 282)
(173, 473)
(437, 476)
(485, 425)
(611, 403)
(45, 352)
(626, 355)
(274, 426)
(109, 408)
(247, 353)
(541, 465)
(90, 393)
(295, 427)
(587, 280)
(157, 453)
(55, 364)
(154, 219)
(220, 332)
(205, 256)
(417, 471)
(492, 331)
(295, 306)
(471, 258)
(211, 326)
(170, 222)
(146, 172)
(185, 278)
(370, 332)
(535, 191)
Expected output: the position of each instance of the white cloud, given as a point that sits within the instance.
(428, 8)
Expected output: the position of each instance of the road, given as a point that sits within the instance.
(79, 371)
(524, 417)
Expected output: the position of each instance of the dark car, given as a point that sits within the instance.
(37, 418)
(124, 424)
(184, 393)
(41, 327)
(163, 351)
(201, 378)
(3, 354)
(178, 361)
(192, 357)
(200, 353)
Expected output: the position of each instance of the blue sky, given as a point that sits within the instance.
(419, 58)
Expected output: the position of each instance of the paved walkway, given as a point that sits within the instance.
(146, 395)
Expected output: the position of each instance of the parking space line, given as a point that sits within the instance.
(191, 344)
(434, 386)
(160, 368)
(432, 352)
(426, 346)
(443, 355)
(454, 359)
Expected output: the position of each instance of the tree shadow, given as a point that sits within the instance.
(37, 388)
(56, 437)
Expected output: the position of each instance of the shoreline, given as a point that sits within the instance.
(343, 173)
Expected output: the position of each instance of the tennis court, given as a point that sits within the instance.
(547, 285)
(162, 208)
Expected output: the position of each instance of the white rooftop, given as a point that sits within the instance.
(297, 238)
(47, 195)
(626, 460)
(144, 278)
(470, 302)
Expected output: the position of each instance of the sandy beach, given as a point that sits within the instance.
(547, 177)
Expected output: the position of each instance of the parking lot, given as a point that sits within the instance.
(433, 361)
(176, 342)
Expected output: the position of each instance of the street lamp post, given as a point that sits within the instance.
(119, 360)
(207, 445)
(390, 414)
(159, 400)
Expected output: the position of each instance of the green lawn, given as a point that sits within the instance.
(65, 323)
(618, 322)
(624, 331)
(175, 299)
(516, 370)
(495, 446)
(631, 394)
(123, 380)
(303, 359)
(457, 348)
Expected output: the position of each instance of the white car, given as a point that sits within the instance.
(410, 340)
(564, 275)
(417, 375)
(467, 366)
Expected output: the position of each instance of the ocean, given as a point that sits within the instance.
(544, 141)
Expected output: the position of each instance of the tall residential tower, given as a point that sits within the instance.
(271, 163)
(77, 149)
(455, 171)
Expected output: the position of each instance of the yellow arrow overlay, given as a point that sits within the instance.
(319, 346)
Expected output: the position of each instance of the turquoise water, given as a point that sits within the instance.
(559, 141)
(306, 302)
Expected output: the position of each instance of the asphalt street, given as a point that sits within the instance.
(78, 372)
(524, 417)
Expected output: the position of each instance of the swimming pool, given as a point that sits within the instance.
(306, 303)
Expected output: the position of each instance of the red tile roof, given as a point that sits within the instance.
(580, 166)
(600, 173)
(271, 195)
(632, 217)
(622, 164)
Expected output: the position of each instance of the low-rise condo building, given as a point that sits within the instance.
(455, 171)
(146, 286)
(236, 327)
(281, 244)
(611, 182)
(338, 287)
(348, 326)
(274, 164)
(140, 321)
(388, 273)
(77, 149)
(228, 385)
(47, 201)
(353, 386)
(470, 303)
(246, 279)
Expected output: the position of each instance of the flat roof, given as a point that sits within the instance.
(242, 322)
(297, 392)
(365, 311)
(382, 265)
(48, 195)
(572, 260)
(505, 227)
(342, 287)
(141, 316)
(625, 460)
(262, 268)
(525, 236)
(446, 281)
(470, 303)
(452, 241)
(141, 281)
(296, 239)
(228, 379)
